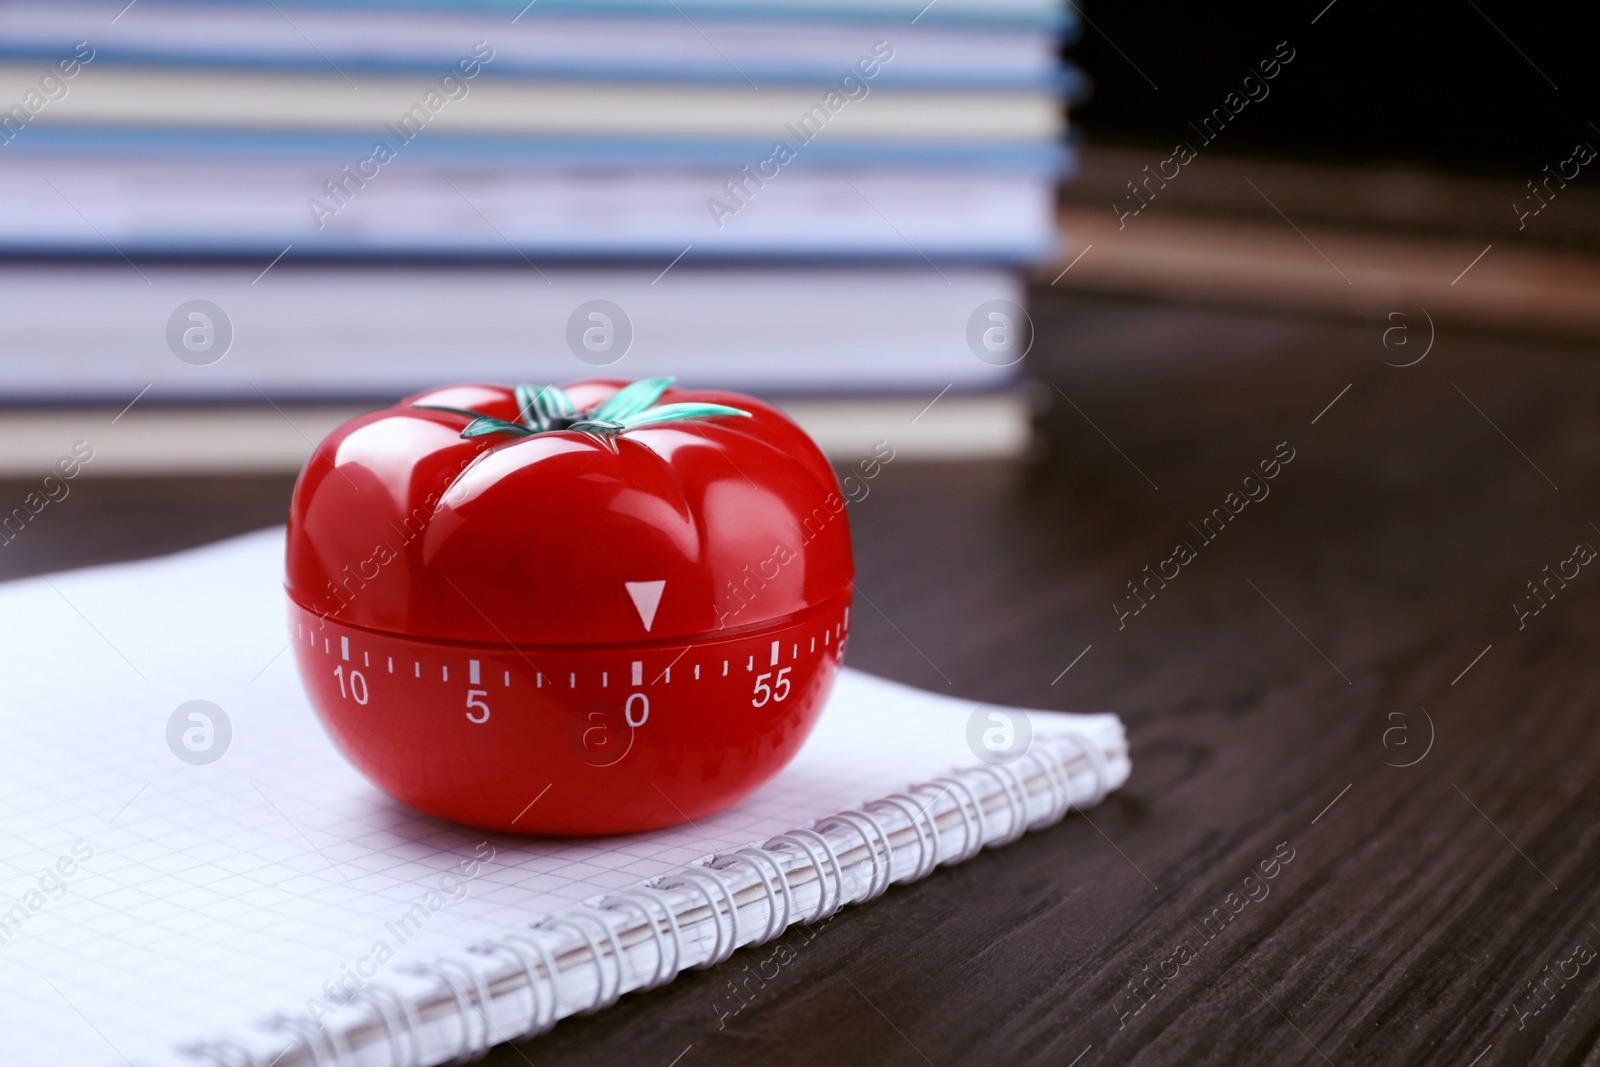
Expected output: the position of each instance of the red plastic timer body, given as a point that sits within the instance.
(568, 631)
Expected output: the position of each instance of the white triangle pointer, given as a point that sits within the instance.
(646, 598)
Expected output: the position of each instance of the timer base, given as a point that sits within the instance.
(571, 741)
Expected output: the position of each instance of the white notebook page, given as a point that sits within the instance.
(146, 903)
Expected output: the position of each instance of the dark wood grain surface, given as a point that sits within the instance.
(1336, 688)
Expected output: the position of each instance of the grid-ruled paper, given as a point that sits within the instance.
(204, 899)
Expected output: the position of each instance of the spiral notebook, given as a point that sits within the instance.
(272, 907)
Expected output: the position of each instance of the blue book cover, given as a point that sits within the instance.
(470, 152)
(1037, 13)
(545, 44)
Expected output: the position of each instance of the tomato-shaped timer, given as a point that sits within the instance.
(594, 609)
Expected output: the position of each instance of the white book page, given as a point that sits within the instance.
(324, 331)
(260, 204)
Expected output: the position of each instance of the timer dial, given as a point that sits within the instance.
(571, 740)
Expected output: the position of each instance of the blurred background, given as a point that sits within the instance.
(227, 226)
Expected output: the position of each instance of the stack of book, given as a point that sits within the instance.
(356, 198)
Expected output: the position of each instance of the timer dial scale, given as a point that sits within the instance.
(508, 729)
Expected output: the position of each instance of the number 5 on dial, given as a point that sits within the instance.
(475, 702)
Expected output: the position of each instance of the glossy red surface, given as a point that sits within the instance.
(400, 525)
(568, 556)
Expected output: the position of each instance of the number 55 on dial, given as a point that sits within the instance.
(777, 692)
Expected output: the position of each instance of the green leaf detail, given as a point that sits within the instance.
(487, 424)
(677, 412)
(555, 403)
(550, 408)
(601, 426)
(527, 407)
(543, 409)
(632, 399)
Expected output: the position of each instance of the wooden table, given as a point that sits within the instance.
(1336, 674)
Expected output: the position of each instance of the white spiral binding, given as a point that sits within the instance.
(444, 970)
(801, 839)
(1060, 787)
(967, 829)
(782, 878)
(1016, 792)
(930, 846)
(1097, 762)
(397, 1014)
(641, 900)
(601, 998)
(513, 945)
(854, 818)
(316, 1038)
(694, 877)
(973, 836)
(776, 924)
